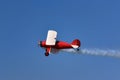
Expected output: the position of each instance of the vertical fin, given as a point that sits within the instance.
(76, 43)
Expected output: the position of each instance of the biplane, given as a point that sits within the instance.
(51, 45)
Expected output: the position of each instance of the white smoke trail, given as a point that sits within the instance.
(99, 52)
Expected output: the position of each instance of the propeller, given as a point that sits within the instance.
(38, 43)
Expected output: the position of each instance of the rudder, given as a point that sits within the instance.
(76, 43)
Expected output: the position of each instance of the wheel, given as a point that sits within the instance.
(46, 54)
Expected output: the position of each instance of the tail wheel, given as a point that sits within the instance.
(46, 54)
(78, 49)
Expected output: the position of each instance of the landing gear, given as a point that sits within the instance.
(48, 49)
(46, 54)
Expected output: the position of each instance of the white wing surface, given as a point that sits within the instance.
(51, 37)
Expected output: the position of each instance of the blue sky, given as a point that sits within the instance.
(24, 22)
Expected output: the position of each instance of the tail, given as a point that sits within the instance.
(76, 43)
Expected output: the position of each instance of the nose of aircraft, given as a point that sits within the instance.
(40, 43)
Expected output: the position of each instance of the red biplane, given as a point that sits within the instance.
(51, 45)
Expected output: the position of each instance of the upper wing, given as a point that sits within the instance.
(51, 37)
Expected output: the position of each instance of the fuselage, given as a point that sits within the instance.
(58, 45)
